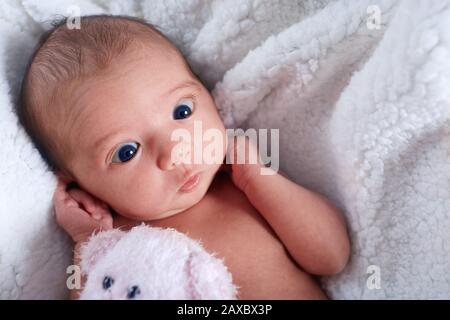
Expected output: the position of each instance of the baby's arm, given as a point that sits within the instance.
(79, 214)
(311, 228)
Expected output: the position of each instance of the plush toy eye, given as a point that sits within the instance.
(107, 282)
(133, 292)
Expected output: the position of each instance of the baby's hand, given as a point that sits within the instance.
(242, 173)
(79, 213)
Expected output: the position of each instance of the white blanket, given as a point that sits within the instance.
(360, 94)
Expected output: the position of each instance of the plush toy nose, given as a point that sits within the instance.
(133, 292)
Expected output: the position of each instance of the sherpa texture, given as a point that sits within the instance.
(364, 118)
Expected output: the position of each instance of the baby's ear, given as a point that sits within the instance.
(97, 246)
(63, 176)
(66, 180)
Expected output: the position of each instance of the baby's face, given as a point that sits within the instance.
(120, 136)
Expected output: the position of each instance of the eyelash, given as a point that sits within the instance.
(192, 96)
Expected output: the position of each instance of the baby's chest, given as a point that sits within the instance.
(233, 229)
(251, 251)
(228, 225)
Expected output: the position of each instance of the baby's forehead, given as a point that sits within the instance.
(138, 64)
(103, 98)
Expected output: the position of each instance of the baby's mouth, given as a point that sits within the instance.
(190, 183)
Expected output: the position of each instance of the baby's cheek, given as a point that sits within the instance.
(143, 201)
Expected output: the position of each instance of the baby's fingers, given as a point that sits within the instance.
(60, 193)
(86, 200)
(61, 199)
(95, 207)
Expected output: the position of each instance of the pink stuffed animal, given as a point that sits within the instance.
(152, 263)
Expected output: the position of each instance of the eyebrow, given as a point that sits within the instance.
(182, 85)
(107, 137)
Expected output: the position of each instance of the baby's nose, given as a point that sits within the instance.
(172, 154)
(165, 162)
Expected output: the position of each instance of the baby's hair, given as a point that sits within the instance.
(63, 55)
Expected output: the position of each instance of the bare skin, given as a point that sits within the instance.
(272, 233)
(229, 225)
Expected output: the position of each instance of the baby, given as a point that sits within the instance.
(100, 103)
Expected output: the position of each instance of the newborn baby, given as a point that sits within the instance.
(100, 103)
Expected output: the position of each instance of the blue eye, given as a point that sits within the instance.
(183, 110)
(126, 152)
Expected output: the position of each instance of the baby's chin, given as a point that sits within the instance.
(184, 200)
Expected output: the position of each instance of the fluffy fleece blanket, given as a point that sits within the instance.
(360, 94)
(364, 117)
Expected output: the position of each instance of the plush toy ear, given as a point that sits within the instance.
(97, 246)
(209, 278)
